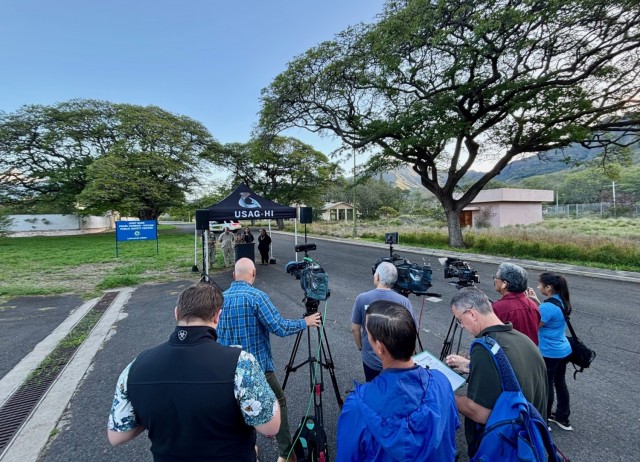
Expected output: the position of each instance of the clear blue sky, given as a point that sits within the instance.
(207, 59)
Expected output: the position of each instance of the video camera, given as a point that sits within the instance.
(457, 268)
(313, 278)
(412, 277)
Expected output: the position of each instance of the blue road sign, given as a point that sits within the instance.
(136, 230)
(144, 230)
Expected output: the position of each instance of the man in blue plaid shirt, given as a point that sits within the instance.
(247, 318)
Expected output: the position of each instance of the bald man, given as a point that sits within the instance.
(248, 316)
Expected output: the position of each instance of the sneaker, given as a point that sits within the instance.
(564, 424)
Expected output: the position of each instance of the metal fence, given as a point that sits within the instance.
(602, 209)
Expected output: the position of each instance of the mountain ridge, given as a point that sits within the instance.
(517, 170)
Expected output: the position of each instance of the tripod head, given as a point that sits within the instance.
(310, 305)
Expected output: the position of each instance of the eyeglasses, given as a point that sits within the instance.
(458, 318)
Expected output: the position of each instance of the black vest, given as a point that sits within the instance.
(182, 392)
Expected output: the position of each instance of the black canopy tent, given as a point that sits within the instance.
(244, 204)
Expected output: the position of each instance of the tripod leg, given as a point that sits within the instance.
(459, 341)
(330, 367)
(448, 341)
(290, 365)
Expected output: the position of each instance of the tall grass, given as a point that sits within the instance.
(605, 243)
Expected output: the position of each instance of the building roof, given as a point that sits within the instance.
(513, 195)
(332, 205)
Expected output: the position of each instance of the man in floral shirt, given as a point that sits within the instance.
(248, 319)
(199, 400)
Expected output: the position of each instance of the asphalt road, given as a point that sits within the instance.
(28, 320)
(605, 411)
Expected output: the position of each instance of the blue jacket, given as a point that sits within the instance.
(402, 415)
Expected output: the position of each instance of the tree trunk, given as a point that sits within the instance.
(455, 231)
(280, 223)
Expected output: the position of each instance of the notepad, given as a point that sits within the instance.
(426, 359)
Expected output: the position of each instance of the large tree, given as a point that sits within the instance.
(282, 169)
(45, 150)
(442, 85)
(138, 160)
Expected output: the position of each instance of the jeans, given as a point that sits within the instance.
(556, 369)
(283, 437)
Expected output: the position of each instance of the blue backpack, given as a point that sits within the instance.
(515, 431)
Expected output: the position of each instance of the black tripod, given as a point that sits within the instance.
(324, 360)
(454, 329)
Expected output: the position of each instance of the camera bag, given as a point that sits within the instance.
(310, 443)
(581, 355)
(315, 282)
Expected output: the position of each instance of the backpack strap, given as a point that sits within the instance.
(558, 303)
(510, 383)
(507, 376)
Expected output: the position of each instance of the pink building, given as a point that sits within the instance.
(505, 206)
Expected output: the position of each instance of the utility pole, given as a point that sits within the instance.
(613, 186)
(355, 233)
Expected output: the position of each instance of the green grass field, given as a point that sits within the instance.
(87, 264)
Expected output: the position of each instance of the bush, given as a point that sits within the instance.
(5, 224)
(388, 212)
(483, 220)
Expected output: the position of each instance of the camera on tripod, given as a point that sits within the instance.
(412, 277)
(313, 278)
(457, 268)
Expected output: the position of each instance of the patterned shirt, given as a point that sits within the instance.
(247, 318)
(255, 398)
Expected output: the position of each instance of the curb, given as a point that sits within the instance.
(34, 434)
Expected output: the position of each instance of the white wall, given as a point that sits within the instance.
(55, 222)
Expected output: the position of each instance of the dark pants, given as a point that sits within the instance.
(283, 437)
(369, 374)
(556, 369)
(264, 255)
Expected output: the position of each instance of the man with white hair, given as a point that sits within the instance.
(384, 278)
(473, 312)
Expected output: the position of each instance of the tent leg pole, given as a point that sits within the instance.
(194, 268)
(206, 250)
(295, 235)
(270, 245)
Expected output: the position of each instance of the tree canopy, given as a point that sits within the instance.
(279, 168)
(372, 194)
(441, 85)
(100, 155)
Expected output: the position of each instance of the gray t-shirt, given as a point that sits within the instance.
(358, 317)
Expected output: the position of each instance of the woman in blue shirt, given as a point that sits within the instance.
(554, 346)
